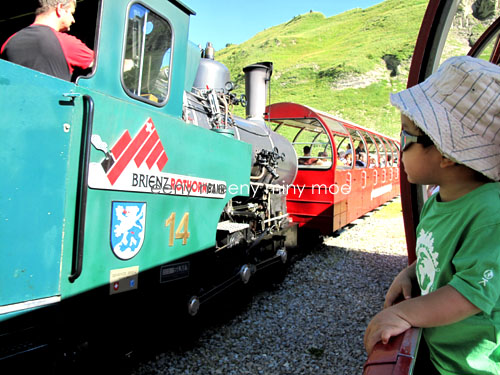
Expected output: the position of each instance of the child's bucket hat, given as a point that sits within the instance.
(458, 107)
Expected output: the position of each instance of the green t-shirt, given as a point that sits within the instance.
(458, 244)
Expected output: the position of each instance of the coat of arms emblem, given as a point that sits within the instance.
(128, 223)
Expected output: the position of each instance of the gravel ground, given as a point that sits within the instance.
(313, 322)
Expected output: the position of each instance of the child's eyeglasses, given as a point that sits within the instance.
(407, 139)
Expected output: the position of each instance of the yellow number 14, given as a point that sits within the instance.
(182, 230)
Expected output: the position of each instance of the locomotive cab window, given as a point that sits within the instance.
(147, 56)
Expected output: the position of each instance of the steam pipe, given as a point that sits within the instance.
(257, 77)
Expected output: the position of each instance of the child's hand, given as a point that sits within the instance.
(442, 307)
(401, 286)
(382, 327)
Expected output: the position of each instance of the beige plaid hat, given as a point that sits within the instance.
(458, 107)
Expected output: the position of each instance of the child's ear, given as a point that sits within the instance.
(445, 162)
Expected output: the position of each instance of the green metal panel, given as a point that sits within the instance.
(36, 179)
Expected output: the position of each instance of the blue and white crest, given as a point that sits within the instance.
(128, 222)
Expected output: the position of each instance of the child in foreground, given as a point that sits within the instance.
(451, 138)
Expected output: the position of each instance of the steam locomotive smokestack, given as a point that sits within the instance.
(257, 77)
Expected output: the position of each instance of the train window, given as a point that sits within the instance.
(147, 56)
(291, 130)
(381, 151)
(320, 151)
(308, 135)
(388, 147)
(371, 151)
(343, 143)
(395, 153)
(373, 154)
(359, 154)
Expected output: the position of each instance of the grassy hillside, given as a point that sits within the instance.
(345, 65)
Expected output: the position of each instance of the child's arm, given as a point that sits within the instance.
(444, 306)
(401, 286)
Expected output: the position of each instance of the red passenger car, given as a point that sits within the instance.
(345, 171)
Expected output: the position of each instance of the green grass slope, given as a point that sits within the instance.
(346, 65)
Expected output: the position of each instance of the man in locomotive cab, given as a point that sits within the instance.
(451, 138)
(45, 46)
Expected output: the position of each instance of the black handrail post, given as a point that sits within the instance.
(82, 188)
